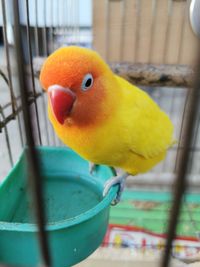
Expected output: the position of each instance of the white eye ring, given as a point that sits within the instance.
(87, 82)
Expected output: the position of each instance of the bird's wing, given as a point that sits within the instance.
(148, 129)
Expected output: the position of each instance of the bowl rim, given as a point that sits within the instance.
(61, 224)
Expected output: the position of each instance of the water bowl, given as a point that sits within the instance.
(77, 214)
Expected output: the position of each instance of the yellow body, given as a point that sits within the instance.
(134, 135)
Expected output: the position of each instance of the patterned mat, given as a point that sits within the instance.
(140, 222)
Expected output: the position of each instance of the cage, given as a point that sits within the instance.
(151, 43)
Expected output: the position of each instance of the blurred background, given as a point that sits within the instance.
(150, 43)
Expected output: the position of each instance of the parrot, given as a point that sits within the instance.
(103, 117)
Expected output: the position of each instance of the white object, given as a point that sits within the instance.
(195, 16)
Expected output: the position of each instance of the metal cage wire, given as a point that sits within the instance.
(33, 127)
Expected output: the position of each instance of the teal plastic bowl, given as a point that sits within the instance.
(77, 215)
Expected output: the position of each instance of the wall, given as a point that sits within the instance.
(146, 31)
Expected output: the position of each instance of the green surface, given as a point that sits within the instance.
(65, 197)
(150, 210)
(77, 215)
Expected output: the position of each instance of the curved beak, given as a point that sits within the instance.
(61, 101)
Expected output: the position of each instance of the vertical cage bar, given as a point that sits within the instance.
(36, 29)
(30, 56)
(67, 22)
(45, 120)
(7, 56)
(45, 53)
(65, 14)
(170, 112)
(34, 174)
(184, 16)
(73, 6)
(70, 20)
(7, 138)
(78, 40)
(51, 33)
(44, 32)
(63, 20)
(37, 52)
(184, 163)
(169, 14)
(9, 83)
(151, 41)
(179, 147)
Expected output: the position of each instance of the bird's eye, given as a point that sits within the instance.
(87, 82)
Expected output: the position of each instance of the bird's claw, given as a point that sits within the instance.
(119, 179)
(92, 167)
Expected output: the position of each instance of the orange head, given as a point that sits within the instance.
(77, 81)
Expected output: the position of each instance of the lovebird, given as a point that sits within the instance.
(103, 117)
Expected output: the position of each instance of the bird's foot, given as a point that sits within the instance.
(119, 179)
(92, 167)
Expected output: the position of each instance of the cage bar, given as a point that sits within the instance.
(184, 164)
(34, 174)
(31, 69)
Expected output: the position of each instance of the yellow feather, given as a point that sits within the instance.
(135, 137)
